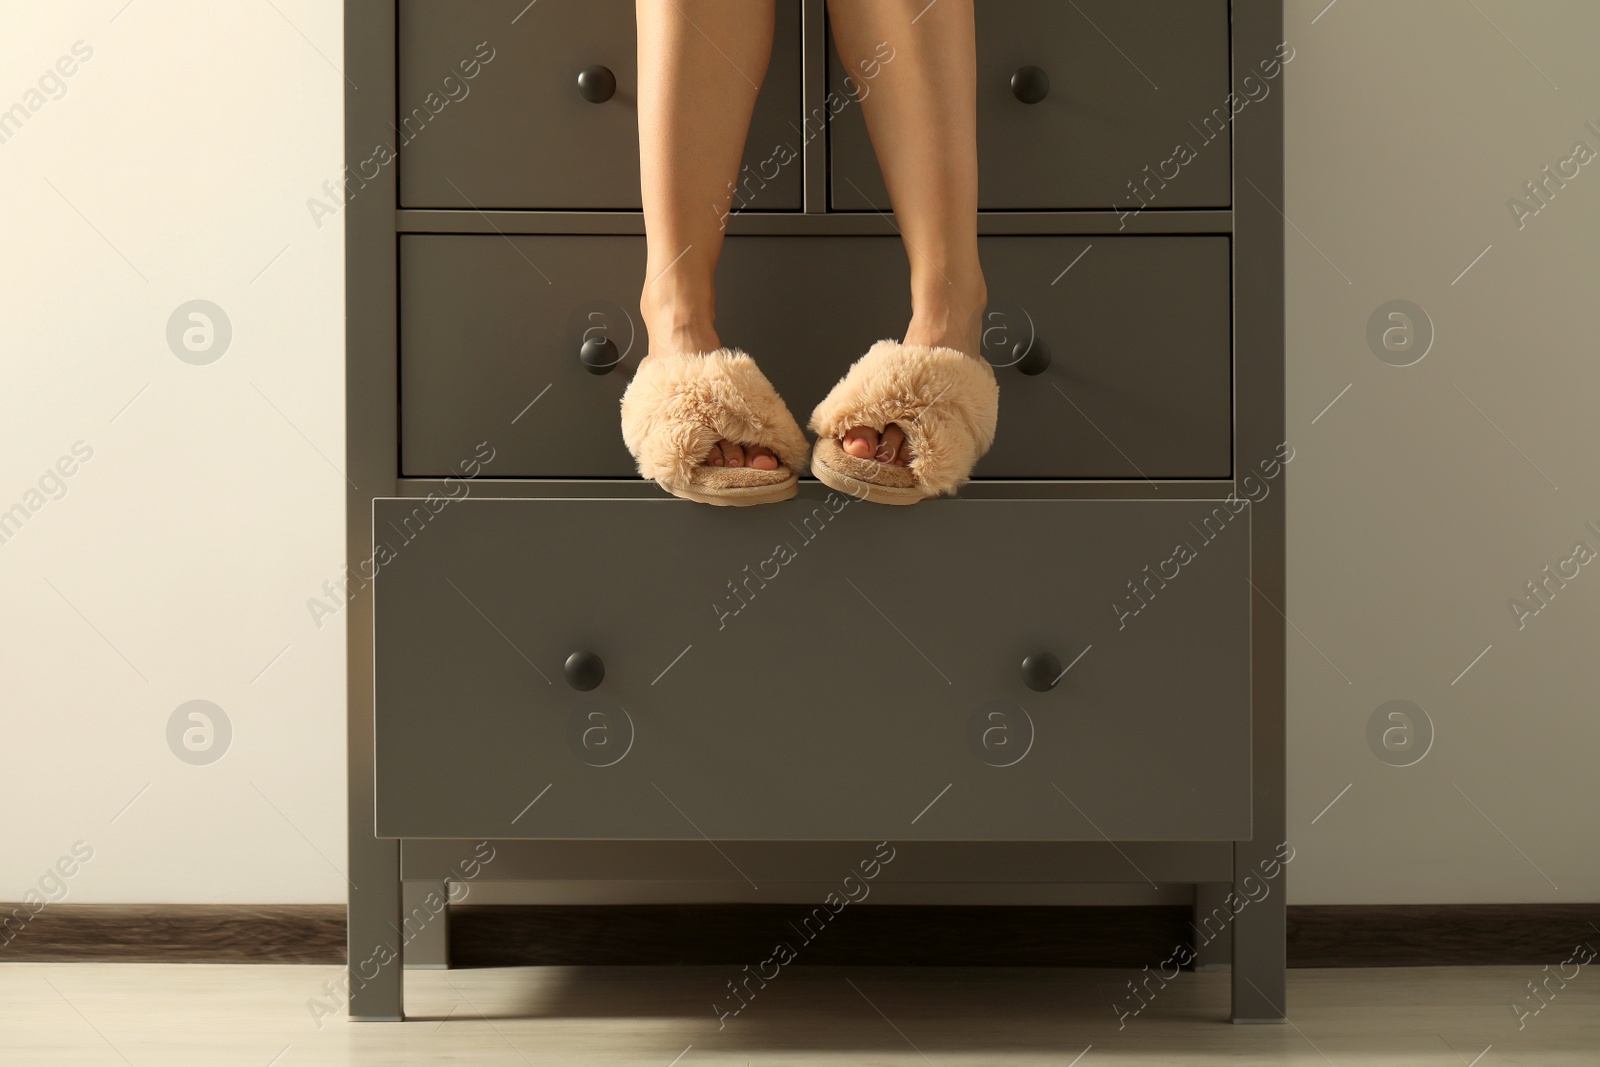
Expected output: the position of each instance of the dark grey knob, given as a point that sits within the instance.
(1031, 356)
(1041, 671)
(597, 84)
(599, 355)
(584, 671)
(1030, 85)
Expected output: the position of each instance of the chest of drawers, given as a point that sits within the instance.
(1078, 662)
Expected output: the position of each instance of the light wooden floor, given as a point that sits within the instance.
(256, 1016)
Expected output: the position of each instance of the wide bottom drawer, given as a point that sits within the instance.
(822, 669)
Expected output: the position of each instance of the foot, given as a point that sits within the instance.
(952, 317)
(889, 447)
(701, 338)
(733, 454)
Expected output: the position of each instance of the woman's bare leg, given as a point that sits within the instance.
(922, 112)
(701, 63)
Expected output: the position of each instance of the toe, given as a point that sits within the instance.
(860, 441)
(894, 438)
(903, 457)
(715, 458)
(733, 452)
(760, 458)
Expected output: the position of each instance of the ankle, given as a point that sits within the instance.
(684, 338)
(950, 316)
(952, 292)
(678, 326)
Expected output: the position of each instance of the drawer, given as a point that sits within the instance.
(1137, 332)
(1128, 81)
(520, 134)
(805, 670)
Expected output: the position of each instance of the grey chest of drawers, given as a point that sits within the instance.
(1074, 673)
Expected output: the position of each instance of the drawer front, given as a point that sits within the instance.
(1128, 82)
(521, 134)
(806, 670)
(1137, 331)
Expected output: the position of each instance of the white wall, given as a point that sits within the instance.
(210, 509)
(1412, 519)
(176, 567)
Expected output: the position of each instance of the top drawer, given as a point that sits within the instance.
(491, 115)
(1130, 84)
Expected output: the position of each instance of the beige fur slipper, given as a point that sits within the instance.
(677, 407)
(945, 401)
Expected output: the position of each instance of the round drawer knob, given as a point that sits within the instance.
(598, 355)
(1032, 356)
(1041, 671)
(597, 84)
(1030, 85)
(584, 671)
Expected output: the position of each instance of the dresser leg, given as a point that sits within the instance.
(1213, 941)
(1259, 977)
(375, 937)
(375, 934)
(426, 924)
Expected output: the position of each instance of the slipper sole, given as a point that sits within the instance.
(871, 492)
(739, 496)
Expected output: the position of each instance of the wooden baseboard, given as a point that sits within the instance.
(499, 936)
(1428, 935)
(174, 933)
(495, 935)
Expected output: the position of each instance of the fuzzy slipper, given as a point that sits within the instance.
(944, 400)
(677, 407)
